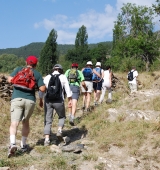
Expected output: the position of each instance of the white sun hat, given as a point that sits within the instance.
(89, 63)
(98, 64)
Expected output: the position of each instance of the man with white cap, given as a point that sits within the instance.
(97, 82)
(88, 73)
(56, 104)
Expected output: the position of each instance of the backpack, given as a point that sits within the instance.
(95, 77)
(24, 79)
(87, 72)
(54, 90)
(130, 76)
(73, 75)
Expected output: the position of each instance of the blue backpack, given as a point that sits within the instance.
(95, 77)
(87, 72)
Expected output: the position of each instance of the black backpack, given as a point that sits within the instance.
(54, 91)
(130, 76)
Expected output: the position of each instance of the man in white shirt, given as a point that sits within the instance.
(57, 105)
(133, 83)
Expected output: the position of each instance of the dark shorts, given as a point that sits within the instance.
(75, 92)
(97, 85)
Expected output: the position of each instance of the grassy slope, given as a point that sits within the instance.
(123, 134)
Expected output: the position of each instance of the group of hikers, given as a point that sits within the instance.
(52, 91)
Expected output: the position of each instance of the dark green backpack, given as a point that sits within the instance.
(73, 75)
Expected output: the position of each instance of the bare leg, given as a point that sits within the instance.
(25, 128)
(13, 128)
(88, 100)
(98, 95)
(74, 106)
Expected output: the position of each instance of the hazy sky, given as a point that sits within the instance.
(27, 21)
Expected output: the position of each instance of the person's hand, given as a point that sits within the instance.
(69, 102)
(86, 88)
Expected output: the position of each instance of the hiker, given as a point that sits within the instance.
(57, 104)
(97, 82)
(22, 106)
(132, 79)
(75, 78)
(88, 73)
(106, 85)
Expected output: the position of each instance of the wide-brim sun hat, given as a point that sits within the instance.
(31, 60)
(98, 64)
(58, 66)
(89, 63)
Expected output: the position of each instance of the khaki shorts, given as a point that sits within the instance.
(89, 85)
(21, 109)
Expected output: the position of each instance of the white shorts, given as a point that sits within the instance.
(89, 85)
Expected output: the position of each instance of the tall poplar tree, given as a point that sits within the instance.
(48, 55)
(80, 53)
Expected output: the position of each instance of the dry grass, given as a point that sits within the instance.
(123, 134)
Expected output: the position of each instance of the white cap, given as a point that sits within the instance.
(98, 64)
(89, 63)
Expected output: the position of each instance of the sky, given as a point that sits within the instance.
(27, 21)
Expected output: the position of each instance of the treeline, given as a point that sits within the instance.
(35, 49)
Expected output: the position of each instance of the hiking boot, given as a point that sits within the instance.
(59, 136)
(71, 121)
(83, 108)
(109, 101)
(46, 143)
(95, 104)
(25, 148)
(88, 109)
(11, 150)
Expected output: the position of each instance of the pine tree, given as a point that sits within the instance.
(48, 55)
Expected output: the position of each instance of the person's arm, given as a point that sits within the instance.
(9, 79)
(67, 87)
(13, 74)
(68, 91)
(82, 80)
(102, 73)
(41, 96)
(95, 72)
(84, 85)
(42, 88)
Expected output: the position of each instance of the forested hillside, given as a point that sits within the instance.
(35, 49)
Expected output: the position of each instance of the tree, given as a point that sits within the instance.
(156, 7)
(48, 55)
(100, 53)
(133, 34)
(80, 53)
(9, 62)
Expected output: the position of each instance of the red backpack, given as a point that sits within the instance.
(24, 79)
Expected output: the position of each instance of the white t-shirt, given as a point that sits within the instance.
(63, 80)
(135, 74)
(106, 78)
